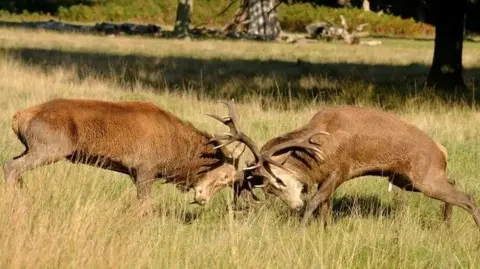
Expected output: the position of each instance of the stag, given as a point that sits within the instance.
(138, 139)
(355, 142)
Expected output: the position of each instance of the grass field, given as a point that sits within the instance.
(76, 216)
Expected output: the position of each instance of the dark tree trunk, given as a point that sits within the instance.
(184, 13)
(446, 70)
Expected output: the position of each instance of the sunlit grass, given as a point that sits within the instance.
(76, 216)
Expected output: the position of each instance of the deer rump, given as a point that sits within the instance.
(369, 142)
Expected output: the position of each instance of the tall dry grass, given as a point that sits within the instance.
(76, 216)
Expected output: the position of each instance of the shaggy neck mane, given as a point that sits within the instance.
(200, 157)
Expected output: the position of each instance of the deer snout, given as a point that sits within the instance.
(201, 196)
(298, 206)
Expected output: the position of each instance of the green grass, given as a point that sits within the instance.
(293, 18)
(76, 216)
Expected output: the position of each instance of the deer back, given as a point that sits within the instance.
(131, 133)
(362, 140)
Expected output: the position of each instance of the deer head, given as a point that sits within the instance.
(267, 170)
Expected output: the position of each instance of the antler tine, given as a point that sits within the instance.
(289, 145)
(221, 137)
(230, 121)
(298, 143)
(232, 112)
(225, 144)
(252, 167)
(235, 134)
(277, 164)
(220, 119)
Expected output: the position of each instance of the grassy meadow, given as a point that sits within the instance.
(77, 216)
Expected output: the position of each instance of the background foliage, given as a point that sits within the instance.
(292, 18)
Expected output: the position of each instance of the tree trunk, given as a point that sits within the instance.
(184, 13)
(259, 17)
(263, 18)
(446, 70)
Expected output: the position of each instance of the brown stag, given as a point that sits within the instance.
(134, 138)
(360, 142)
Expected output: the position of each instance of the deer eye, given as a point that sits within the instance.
(280, 182)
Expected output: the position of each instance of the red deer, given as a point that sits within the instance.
(360, 142)
(134, 138)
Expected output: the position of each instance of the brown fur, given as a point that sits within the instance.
(366, 141)
(134, 138)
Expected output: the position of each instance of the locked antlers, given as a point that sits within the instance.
(261, 159)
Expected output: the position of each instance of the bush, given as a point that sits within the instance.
(144, 10)
(155, 11)
(295, 17)
(292, 17)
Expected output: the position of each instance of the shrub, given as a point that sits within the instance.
(292, 17)
(144, 10)
(295, 17)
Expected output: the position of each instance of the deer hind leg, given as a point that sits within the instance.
(439, 188)
(43, 147)
(15, 168)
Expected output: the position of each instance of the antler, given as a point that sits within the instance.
(298, 143)
(302, 143)
(260, 158)
(235, 134)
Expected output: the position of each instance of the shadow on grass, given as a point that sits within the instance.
(189, 217)
(343, 207)
(361, 206)
(183, 215)
(283, 81)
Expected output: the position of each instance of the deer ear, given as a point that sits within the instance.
(305, 188)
